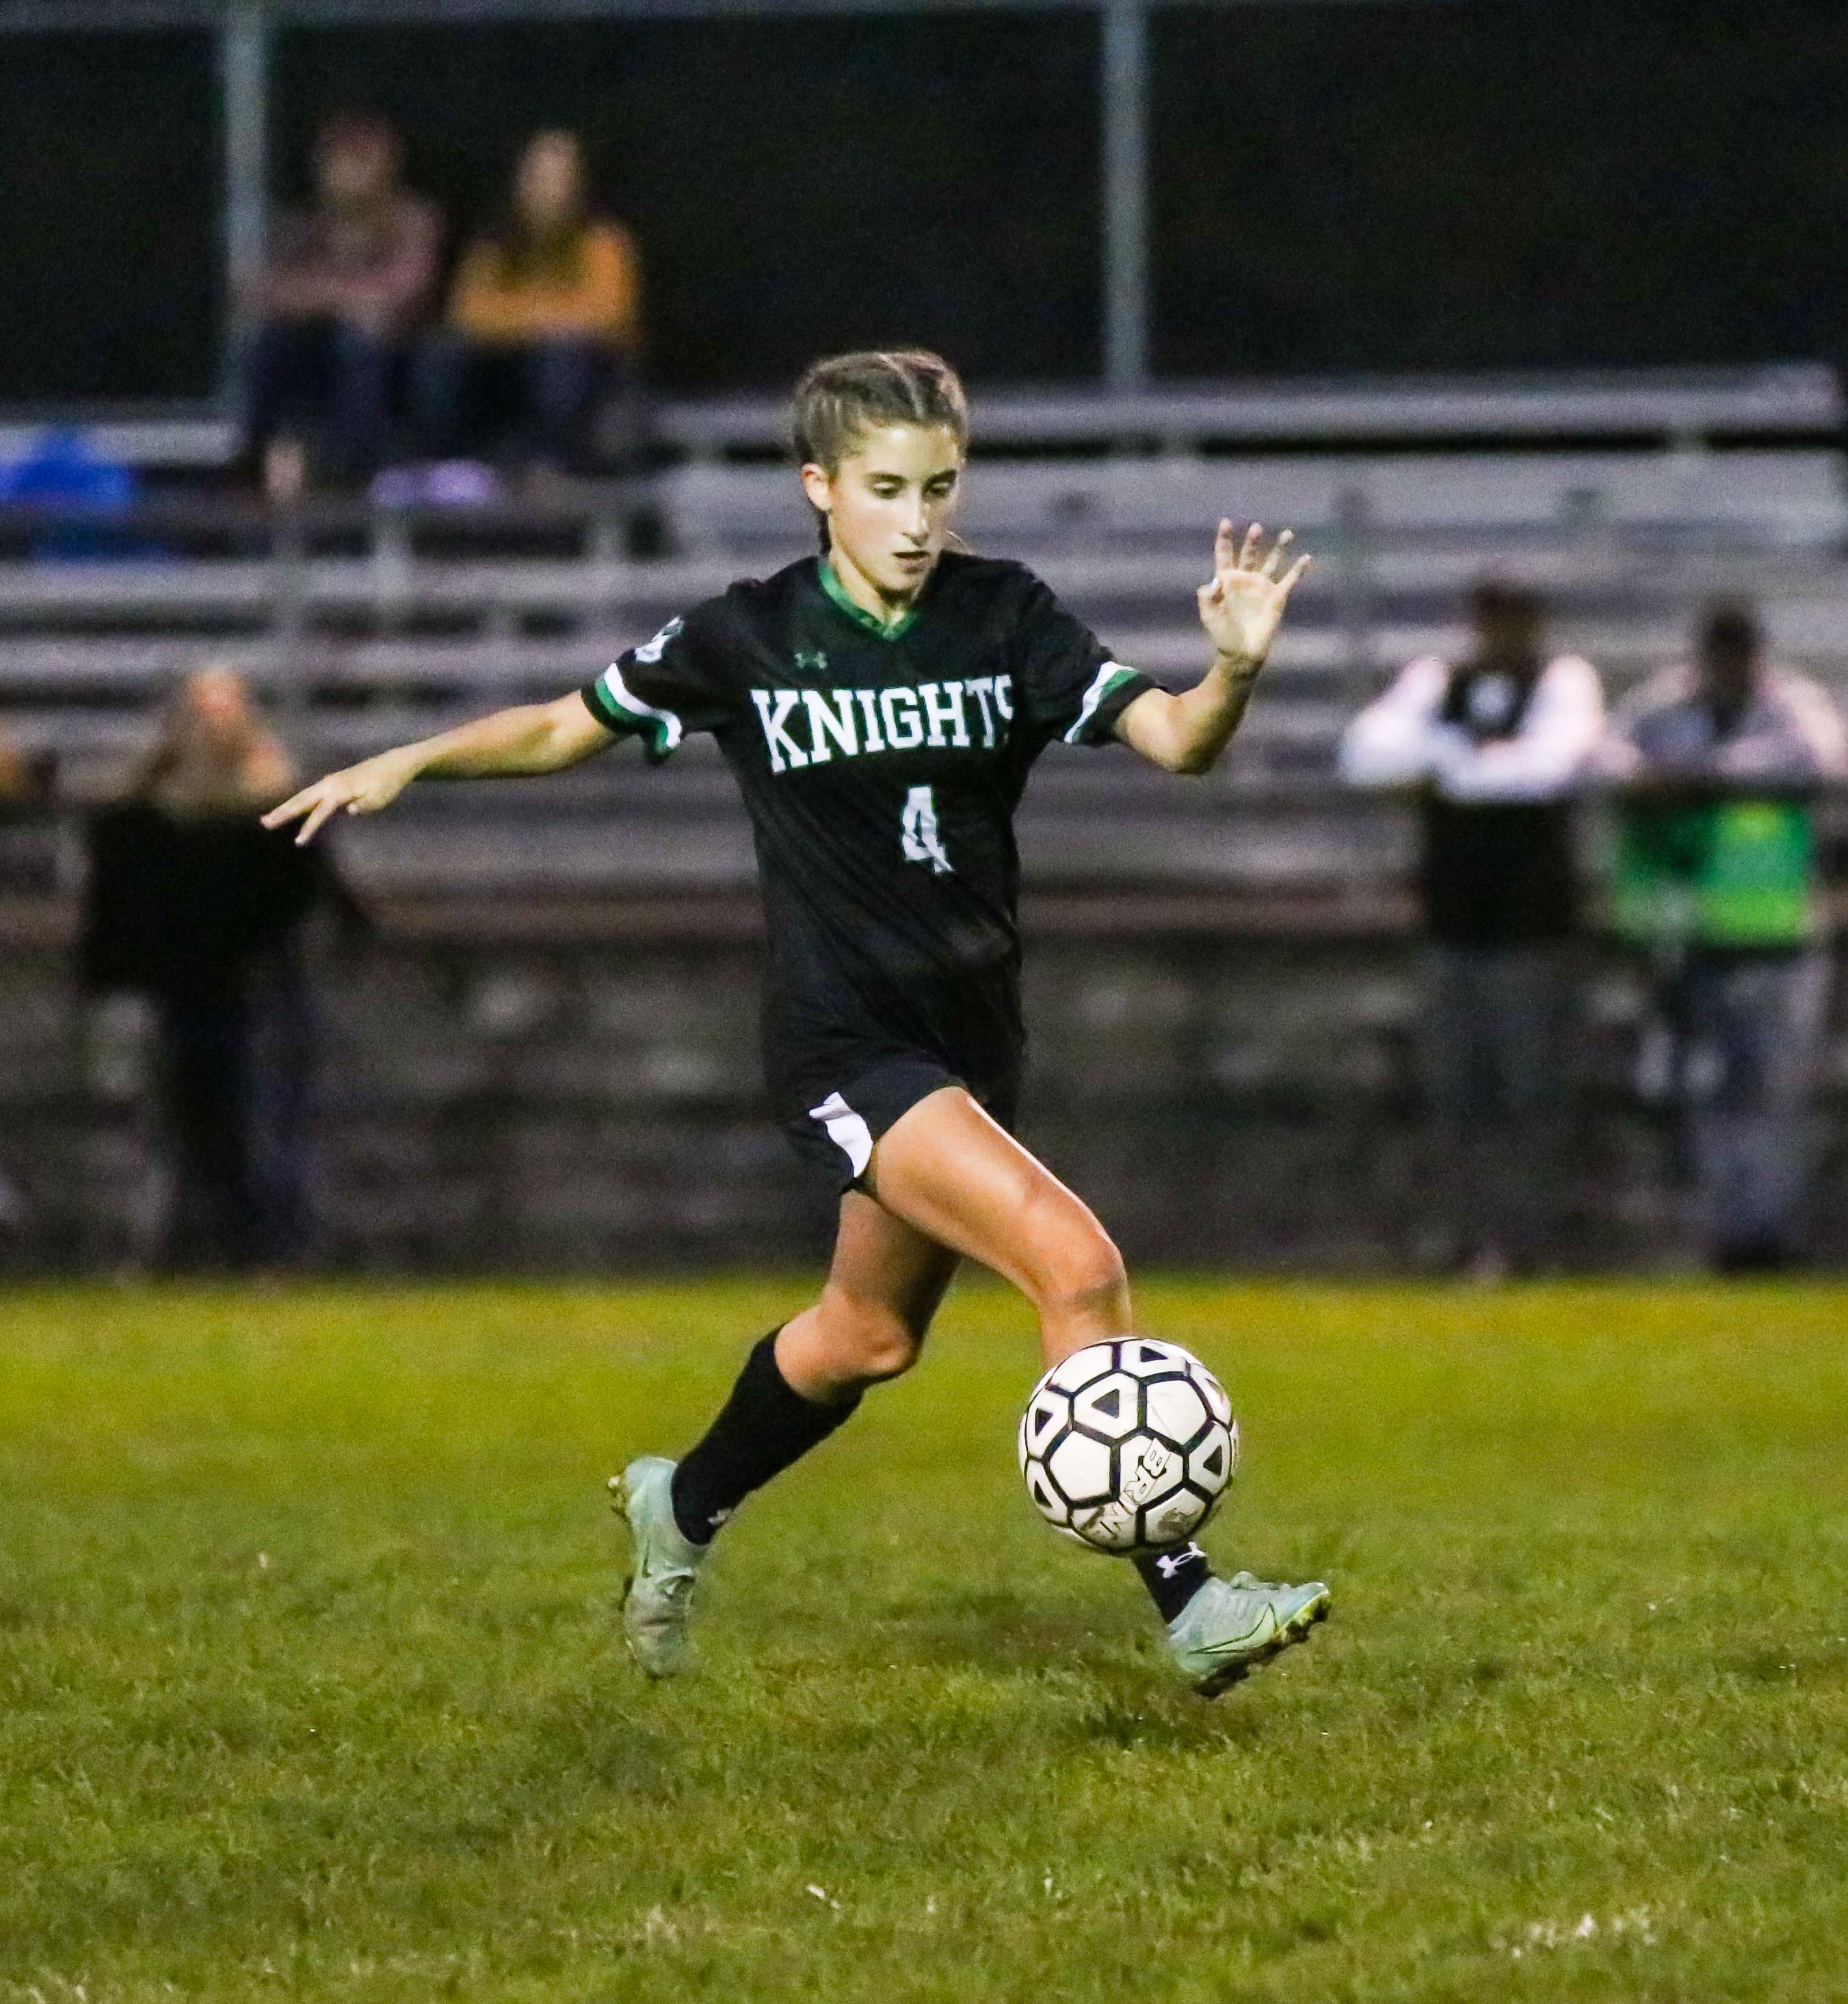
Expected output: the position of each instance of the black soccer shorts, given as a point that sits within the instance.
(834, 1134)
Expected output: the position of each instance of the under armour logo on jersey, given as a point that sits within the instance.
(652, 650)
(811, 664)
(1168, 1564)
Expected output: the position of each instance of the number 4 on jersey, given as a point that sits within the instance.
(923, 843)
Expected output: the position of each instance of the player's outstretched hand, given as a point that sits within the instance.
(1242, 606)
(363, 789)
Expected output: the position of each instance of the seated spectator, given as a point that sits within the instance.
(191, 903)
(544, 320)
(1720, 764)
(16, 785)
(1490, 747)
(344, 286)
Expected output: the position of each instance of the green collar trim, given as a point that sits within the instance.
(858, 614)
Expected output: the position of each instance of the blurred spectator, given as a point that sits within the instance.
(1721, 763)
(17, 788)
(193, 905)
(544, 320)
(28, 836)
(16, 783)
(82, 493)
(1490, 746)
(346, 282)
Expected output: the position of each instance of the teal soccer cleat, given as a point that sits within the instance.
(1232, 1626)
(657, 1597)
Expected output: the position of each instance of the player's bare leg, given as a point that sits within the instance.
(958, 1175)
(884, 1285)
(800, 1382)
(949, 1182)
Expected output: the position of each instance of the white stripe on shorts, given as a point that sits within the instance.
(846, 1130)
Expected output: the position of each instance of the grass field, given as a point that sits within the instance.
(308, 1685)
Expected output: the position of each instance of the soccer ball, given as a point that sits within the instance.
(1127, 1447)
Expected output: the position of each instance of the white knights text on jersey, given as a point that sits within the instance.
(810, 726)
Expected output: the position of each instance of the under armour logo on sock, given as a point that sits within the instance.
(1168, 1564)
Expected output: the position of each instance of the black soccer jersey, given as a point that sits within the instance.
(881, 768)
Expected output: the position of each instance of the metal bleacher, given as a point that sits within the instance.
(1626, 498)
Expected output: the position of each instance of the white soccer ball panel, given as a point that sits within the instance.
(1211, 1465)
(1174, 1409)
(1175, 1518)
(1047, 1412)
(1081, 1367)
(1147, 1469)
(1218, 1403)
(1143, 1358)
(1080, 1468)
(1109, 1527)
(1110, 1408)
(1047, 1499)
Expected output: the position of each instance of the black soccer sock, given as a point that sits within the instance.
(762, 1428)
(1172, 1578)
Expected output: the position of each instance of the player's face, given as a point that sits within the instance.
(888, 505)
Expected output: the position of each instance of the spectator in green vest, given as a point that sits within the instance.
(1721, 765)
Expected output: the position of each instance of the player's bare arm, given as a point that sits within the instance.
(1241, 607)
(509, 743)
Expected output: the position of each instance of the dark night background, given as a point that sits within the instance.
(1356, 188)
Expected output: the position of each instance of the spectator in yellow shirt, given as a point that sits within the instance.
(543, 321)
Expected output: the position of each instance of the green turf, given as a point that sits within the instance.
(308, 1687)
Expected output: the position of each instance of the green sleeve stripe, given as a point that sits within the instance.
(627, 712)
(1110, 679)
(602, 710)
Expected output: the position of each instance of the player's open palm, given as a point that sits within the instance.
(373, 783)
(1241, 607)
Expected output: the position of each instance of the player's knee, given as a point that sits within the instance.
(871, 1339)
(1082, 1273)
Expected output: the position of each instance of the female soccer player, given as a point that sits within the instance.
(880, 704)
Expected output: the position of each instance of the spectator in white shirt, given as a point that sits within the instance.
(1490, 748)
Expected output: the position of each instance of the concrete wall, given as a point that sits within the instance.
(570, 1105)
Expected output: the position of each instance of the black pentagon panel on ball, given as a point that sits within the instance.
(1046, 1499)
(1044, 1417)
(1110, 1408)
(1143, 1358)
